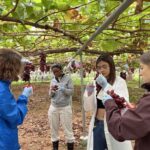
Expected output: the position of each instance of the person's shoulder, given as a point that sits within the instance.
(67, 76)
(53, 79)
(120, 80)
(4, 85)
(5, 93)
(145, 99)
(146, 94)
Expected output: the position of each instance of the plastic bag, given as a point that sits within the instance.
(89, 98)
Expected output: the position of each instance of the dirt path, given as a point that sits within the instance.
(35, 133)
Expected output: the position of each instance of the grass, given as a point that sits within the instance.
(75, 78)
(82, 145)
(133, 86)
(135, 92)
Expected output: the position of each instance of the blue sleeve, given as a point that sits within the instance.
(22, 106)
(11, 111)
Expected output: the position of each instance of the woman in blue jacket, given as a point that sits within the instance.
(12, 112)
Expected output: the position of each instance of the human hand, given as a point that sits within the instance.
(54, 87)
(106, 97)
(131, 105)
(27, 91)
(102, 81)
(61, 88)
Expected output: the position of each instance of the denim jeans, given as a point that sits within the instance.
(99, 136)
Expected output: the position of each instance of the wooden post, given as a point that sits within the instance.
(82, 91)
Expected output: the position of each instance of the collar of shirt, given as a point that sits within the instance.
(59, 78)
(146, 86)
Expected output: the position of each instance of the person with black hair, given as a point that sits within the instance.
(99, 138)
(60, 111)
(134, 124)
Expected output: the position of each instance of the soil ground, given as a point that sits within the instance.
(35, 133)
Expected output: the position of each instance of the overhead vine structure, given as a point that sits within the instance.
(62, 26)
(47, 27)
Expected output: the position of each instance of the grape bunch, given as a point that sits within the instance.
(27, 69)
(120, 101)
(73, 65)
(26, 73)
(47, 68)
(42, 62)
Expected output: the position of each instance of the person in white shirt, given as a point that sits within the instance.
(99, 138)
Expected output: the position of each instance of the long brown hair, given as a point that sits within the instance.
(107, 58)
(10, 64)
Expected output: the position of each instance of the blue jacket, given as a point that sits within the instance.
(12, 114)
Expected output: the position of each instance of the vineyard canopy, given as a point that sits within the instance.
(62, 26)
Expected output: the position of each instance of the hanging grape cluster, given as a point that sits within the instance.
(27, 69)
(43, 62)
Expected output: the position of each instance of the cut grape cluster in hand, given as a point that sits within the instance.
(120, 101)
(54, 87)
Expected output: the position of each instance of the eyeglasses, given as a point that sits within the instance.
(105, 67)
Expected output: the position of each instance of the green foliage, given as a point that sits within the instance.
(80, 22)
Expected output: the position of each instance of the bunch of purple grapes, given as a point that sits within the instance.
(26, 74)
(42, 62)
(120, 101)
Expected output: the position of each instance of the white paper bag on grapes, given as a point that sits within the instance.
(89, 97)
(90, 89)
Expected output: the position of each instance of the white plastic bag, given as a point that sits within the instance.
(88, 97)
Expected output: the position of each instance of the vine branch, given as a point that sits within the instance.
(12, 10)
(64, 10)
(46, 27)
(74, 49)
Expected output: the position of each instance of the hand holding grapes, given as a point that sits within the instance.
(54, 87)
(120, 101)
